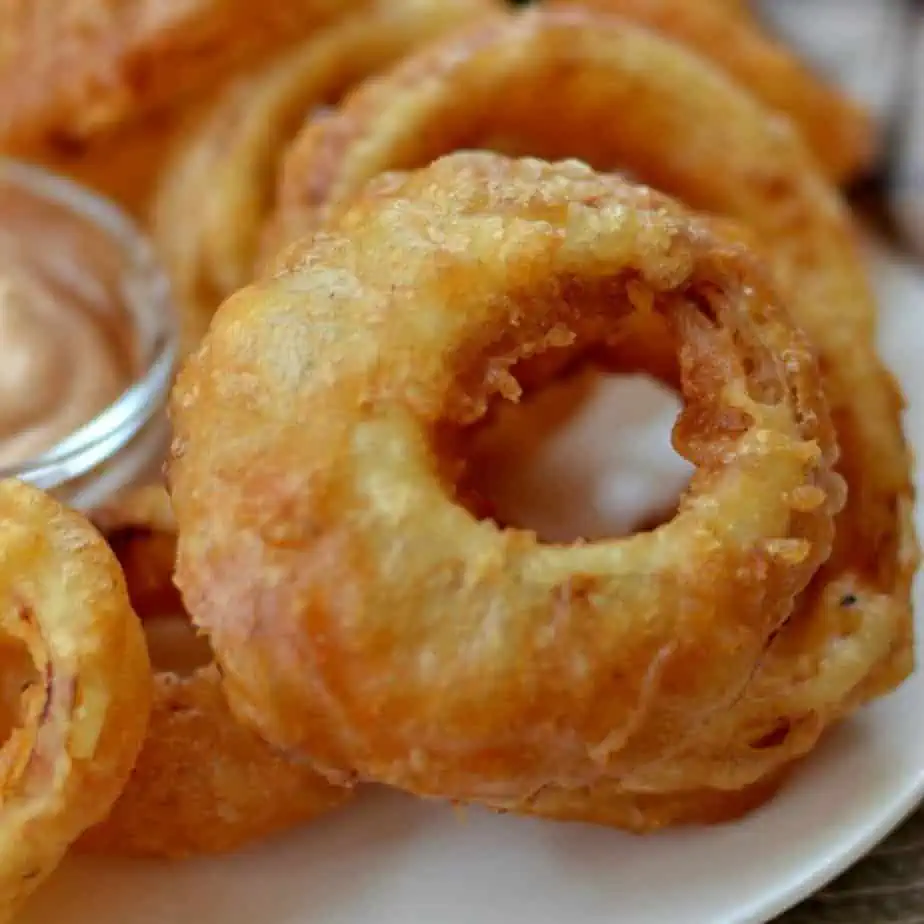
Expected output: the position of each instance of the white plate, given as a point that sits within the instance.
(391, 860)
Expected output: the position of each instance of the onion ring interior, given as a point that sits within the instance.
(18, 675)
(544, 464)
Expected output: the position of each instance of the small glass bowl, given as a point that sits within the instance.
(124, 445)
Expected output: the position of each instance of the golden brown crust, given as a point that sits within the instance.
(644, 813)
(839, 132)
(75, 69)
(363, 616)
(543, 83)
(678, 119)
(227, 162)
(202, 784)
(83, 719)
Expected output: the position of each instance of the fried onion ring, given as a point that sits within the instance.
(360, 613)
(837, 130)
(143, 77)
(227, 164)
(76, 69)
(82, 718)
(203, 784)
(850, 638)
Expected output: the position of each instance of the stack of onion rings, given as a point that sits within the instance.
(99, 90)
(366, 618)
(227, 161)
(83, 714)
(202, 784)
(362, 615)
(560, 75)
(838, 131)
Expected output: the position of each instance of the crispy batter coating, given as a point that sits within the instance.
(839, 132)
(83, 712)
(218, 188)
(643, 813)
(505, 84)
(74, 69)
(203, 783)
(361, 613)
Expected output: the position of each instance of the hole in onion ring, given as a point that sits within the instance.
(19, 680)
(174, 646)
(588, 456)
(147, 558)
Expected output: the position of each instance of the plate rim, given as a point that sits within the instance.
(843, 856)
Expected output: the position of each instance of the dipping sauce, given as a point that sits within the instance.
(66, 345)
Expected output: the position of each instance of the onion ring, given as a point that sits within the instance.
(160, 75)
(227, 164)
(203, 784)
(362, 615)
(838, 131)
(82, 721)
(850, 638)
(76, 69)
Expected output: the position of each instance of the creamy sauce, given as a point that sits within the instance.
(586, 458)
(65, 346)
